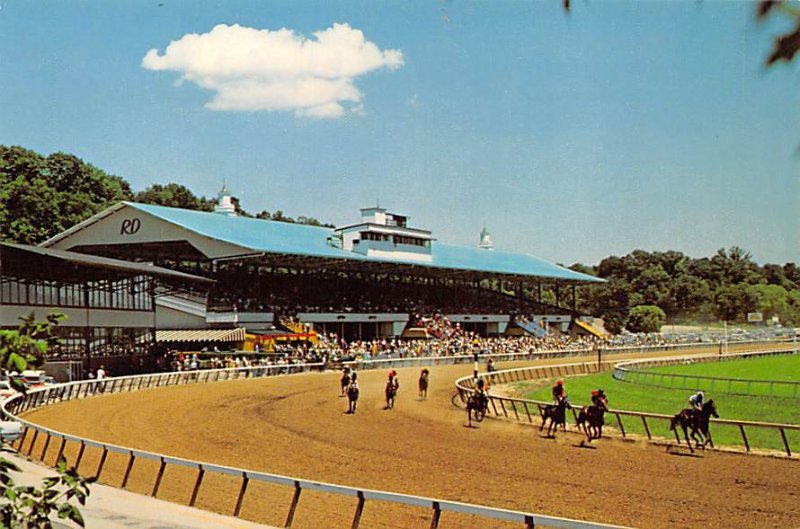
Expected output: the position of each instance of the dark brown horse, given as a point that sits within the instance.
(345, 381)
(477, 404)
(352, 397)
(423, 384)
(590, 419)
(698, 422)
(391, 392)
(556, 414)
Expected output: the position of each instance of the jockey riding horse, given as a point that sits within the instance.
(392, 386)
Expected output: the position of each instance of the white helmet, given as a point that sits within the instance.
(700, 394)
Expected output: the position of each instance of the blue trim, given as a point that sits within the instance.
(298, 239)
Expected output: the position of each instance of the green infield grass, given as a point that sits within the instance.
(785, 367)
(756, 375)
(635, 397)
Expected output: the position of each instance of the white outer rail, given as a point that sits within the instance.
(73, 390)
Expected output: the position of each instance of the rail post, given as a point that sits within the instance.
(61, 449)
(744, 437)
(242, 492)
(646, 428)
(100, 465)
(196, 490)
(46, 444)
(22, 439)
(501, 405)
(293, 506)
(81, 450)
(437, 514)
(162, 467)
(33, 443)
(359, 510)
(128, 469)
(619, 421)
(785, 442)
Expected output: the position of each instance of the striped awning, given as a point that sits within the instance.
(201, 335)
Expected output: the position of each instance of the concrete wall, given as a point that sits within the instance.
(77, 317)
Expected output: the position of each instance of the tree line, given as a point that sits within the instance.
(41, 196)
(643, 287)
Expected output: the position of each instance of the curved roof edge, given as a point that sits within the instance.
(268, 236)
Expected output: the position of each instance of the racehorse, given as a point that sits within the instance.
(345, 381)
(352, 398)
(423, 384)
(698, 422)
(590, 418)
(557, 414)
(477, 404)
(391, 392)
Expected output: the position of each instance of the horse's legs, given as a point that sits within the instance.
(708, 438)
(694, 436)
(686, 435)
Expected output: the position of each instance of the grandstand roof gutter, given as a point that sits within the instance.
(248, 237)
(93, 261)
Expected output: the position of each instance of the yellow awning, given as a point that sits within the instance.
(201, 335)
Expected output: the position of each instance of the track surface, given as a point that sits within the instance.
(296, 426)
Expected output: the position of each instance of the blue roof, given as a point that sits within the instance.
(299, 239)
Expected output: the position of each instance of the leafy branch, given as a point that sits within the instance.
(29, 507)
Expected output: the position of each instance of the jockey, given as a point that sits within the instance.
(490, 365)
(559, 393)
(393, 379)
(696, 401)
(599, 399)
(353, 381)
(482, 390)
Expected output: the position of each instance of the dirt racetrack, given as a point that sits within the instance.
(295, 426)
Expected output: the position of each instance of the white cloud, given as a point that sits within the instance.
(251, 69)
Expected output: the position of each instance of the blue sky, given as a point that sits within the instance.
(572, 137)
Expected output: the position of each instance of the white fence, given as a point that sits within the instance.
(33, 434)
(520, 409)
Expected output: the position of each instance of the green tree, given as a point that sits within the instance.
(28, 507)
(174, 196)
(690, 292)
(42, 196)
(733, 302)
(26, 346)
(771, 300)
(614, 321)
(645, 318)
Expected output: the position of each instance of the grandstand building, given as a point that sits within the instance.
(366, 280)
(109, 305)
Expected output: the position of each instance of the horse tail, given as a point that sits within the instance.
(673, 421)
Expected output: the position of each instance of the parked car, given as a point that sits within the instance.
(10, 431)
(33, 378)
(6, 390)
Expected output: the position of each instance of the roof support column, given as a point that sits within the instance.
(574, 298)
